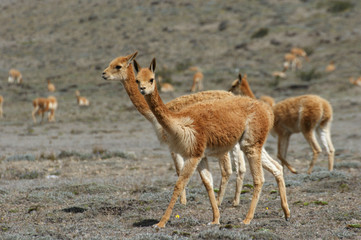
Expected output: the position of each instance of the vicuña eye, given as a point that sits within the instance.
(151, 80)
(118, 67)
(137, 81)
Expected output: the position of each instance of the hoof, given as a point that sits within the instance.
(158, 226)
(247, 221)
(213, 223)
(183, 200)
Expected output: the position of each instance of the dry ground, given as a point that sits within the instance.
(100, 173)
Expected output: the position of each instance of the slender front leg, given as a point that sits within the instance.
(276, 169)
(207, 180)
(179, 163)
(226, 170)
(187, 171)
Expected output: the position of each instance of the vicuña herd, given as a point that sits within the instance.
(222, 124)
(41, 105)
(226, 124)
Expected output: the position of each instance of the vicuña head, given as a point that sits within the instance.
(117, 69)
(240, 86)
(147, 83)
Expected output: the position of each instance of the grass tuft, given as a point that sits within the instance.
(307, 76)
(354, 225)
(260, 33)
(339, 6)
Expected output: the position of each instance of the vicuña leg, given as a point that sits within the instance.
(316, 149)
(187, 171)
(226, 170)
(34, 112)
(238, 157)
(277, 171)
(179, 163)
(253, 155)
(207, 180)
(283, 141)
(325, 136)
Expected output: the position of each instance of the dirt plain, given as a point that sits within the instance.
(100, 172)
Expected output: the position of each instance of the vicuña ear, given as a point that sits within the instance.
(136, 66)
(131, 57)
(152, 65)
(240, 78)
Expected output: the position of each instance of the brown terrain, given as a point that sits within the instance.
(99, 172)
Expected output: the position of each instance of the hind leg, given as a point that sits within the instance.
(207, 180)
(316, 149)
(226, 170)
(238, 158)
(325, 136)
(283, 141)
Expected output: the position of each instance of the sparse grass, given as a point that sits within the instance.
(91, 188)
(339, 6)
(357, 225)
(24, 157)
(320, 202)
(307, 76)
(96, 153)
(260, 33)
(309, 50)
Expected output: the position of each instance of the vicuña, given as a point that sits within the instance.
(15, 76)
(308, 114)
(43, 105)
(51, 86)
(82, 101)
(197, 79)
(1, 106)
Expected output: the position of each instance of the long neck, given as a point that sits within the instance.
(159, 109)
(135, 96)
(246, 89)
